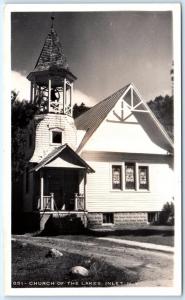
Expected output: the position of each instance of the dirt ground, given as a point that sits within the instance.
(155, 269)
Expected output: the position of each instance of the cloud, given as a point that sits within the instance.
(21, 85)
(79, 97)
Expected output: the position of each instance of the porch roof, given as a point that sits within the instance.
(63, 157)
(61, 163)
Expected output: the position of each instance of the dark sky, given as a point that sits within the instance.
(105, 50)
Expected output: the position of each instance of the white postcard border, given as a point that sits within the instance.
(157, 291)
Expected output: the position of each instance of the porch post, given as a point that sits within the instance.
(49, 95)
(52, 201)
(76, 201)
(31, 92)
(85, 180)
(64, 96)
(41, 190)
(34, 88)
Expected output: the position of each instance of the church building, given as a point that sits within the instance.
(112, 165)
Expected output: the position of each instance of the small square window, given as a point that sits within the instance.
(56, 137)
(116, 177)
(108, 218)
(153, 217)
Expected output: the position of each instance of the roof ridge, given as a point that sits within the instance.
(99, 103)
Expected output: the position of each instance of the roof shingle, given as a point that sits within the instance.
(52, 54)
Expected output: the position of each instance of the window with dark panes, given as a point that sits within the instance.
(143, 177)
(116, 177)
(108, 218)
(56, 137)
(130, 176)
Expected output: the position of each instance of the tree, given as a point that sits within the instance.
(79, 109)
(21, 115)
(162, 107)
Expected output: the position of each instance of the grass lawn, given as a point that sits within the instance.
(161, 235)
(32, 269)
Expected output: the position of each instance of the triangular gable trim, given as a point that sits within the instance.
(145, 110)
(56, 152)
(159, 125)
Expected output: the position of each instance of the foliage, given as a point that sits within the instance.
(162, 107)
(166, 216)
(21, 115)
(79, 109)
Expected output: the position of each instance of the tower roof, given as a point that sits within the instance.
(52, 54)
(51, 61)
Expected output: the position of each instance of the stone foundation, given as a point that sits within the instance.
(120, 218)
(94, 219)
(130, 218)
(39, 221)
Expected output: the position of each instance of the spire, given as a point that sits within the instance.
(52, 54)
(52, 20)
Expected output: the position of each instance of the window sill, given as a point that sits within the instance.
(55, 144)
(130, 191)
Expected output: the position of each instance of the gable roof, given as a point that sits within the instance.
(91, 120)
(56, 152)
(52, 54)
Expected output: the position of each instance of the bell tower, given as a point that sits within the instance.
(51, 91)
(51, 80)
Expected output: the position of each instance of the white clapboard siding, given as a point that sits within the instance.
(101, 198)
(43, 143)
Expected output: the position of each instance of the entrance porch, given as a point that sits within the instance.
(60, 190)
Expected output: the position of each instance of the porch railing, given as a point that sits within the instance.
(47, 202)
(79, 202)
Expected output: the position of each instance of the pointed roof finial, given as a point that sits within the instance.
(52, 20)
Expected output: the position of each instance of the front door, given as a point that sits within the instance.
(64, 184)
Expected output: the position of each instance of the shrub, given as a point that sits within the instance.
(166, 216)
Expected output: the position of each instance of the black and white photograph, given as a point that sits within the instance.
(94, 96)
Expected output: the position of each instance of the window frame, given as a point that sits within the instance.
(108, 213)
(121, 175)
(136, 177)
(148, 175)
(51, 136)
(123, 186)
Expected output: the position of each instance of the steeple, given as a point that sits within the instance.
(51, 79)
(52, 54)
